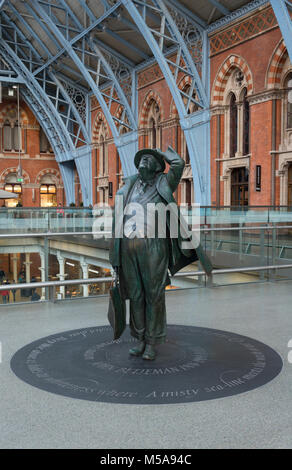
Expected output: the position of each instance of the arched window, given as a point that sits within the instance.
(7, 136)
(48, 191)
(290, 185)
(16, 137)
(45, 146)
(153, 133)
(187, 159)
(246, 126)
(102, 185)
(189, 184)
(48, 196)
(12, 140)
(13, 186)
(192, 108)
(233, 125)
(289, 102)
(154, 119)
(102, 168)
(119, 170)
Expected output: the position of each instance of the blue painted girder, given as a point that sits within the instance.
(196, 127)
(281, 9)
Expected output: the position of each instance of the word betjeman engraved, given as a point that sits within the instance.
(195, 364)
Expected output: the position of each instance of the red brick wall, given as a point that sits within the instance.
(256, 52)
(32, 161)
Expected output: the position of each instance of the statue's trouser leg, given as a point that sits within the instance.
(134, 287)
(145, 265)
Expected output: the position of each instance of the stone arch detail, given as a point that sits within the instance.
(48, 171)
(7, 171)
(276, 66)
(99, 120)
(182, 84)
(224, 73)
(151, 96)
(118, 114)
(10, 112)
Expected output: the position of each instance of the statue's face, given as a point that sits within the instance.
(149, 162)
(148, 167)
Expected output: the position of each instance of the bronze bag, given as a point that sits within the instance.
(117, 311)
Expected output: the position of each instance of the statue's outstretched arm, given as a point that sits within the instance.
(176, 167)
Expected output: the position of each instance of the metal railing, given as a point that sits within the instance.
(53, 284)
(81, 219)
(264, 260)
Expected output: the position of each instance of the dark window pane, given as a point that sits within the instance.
(7, 136)
(187, 155)
(44, 143)
(154, 134)
(245, 125)
(239, 187)
(289, 104)
(233, 126)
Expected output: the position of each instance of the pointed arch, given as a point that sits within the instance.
(99, 121)
(10, 112)
(183, 84)
(224, 73)
(148, 100)
(120, 115)
(7, 171)
(276, 66)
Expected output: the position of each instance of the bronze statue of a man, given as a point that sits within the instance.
(142, 262)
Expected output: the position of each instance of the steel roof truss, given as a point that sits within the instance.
(44, 80)
(79, 54)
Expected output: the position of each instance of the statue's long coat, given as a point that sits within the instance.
(166, 184)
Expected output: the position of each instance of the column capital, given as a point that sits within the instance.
(61, 276)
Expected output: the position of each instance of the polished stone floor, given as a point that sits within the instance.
(260, 418)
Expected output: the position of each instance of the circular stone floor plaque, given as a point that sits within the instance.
(195, 364)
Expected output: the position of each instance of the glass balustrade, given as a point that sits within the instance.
(68, 244)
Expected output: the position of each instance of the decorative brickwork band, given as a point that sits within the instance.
(252, 26)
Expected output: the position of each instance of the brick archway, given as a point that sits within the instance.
(48, 171)
(99, 120)
(151, 96)
(182, 84)
(10, 112)
(119, 114)
(276, 66)
(224, 73)
(7, 171)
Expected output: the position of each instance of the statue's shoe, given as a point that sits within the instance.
(138, 350)
(149, 353)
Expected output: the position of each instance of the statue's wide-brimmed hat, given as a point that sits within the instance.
(153, 152)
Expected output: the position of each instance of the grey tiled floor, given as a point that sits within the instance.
(261, 418)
